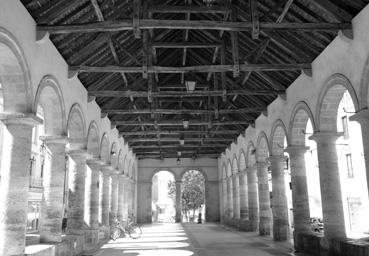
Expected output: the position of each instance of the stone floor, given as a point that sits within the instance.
(172, 239)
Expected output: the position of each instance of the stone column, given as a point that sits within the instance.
(244, 204)
(330, 185)
(362, 117)
(253, 199)
(92, 200)
(15, 183)
(229, 198)
(104, 197)
(236, 198)
(178, 201)
(52, 204)
(264, 199)
(76, 186)
(279, 200)
(121, 188)
(212, 201)
(114, 198)
(300, 195)
(225, 203)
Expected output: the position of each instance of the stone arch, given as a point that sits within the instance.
(329, 99)
(262, 150)
(242, 161)
(50, 98)
(229, 169)
(364, 86)
(93, 140)
(120, 162)
(114, 155)
(196, 169)
(278, 135)
(155, 171)
(251, 154)
(104, 149)
(76, 127)
(234, 165)
(15, 78)
(299, 118)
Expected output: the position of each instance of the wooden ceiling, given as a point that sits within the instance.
(135, 56)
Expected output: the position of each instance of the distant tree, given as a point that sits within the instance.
(193, 194)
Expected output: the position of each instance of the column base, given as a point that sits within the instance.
(264, 227)
(91, 236)
(104, 232)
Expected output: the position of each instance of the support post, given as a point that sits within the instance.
(236, 199)
(14, 185)
(330, 185)
(253, 198)
(244, 204)
(52, 204)
(279, 199)
(264, 199)
(178, 201)
(114, 198)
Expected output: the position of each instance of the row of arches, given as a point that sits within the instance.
(327, 144)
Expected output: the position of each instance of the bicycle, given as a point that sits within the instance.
(132, 229)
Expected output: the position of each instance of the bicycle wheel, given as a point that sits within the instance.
(134, 231)
(115, 234)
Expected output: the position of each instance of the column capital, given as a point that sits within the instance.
(325, 136)
(362, 116)
(251, 168)
(275, 158)
(57, 139)
(20, 119)
(77, 143)
(296, 149)
(95, 163)
(264, 164)
(77, 153)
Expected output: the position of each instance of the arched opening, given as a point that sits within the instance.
(338, 103)
(193, 196)
(163, 199)
(351, 165)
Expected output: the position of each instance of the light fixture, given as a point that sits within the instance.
(178, 161)
(185, 124)
(190, 85)
(181, 140)
(112, 153)
(208, 3)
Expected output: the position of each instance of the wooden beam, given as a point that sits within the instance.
(184, 45)
(254, 19)
(179, 132)
(180, 111)
(188, 9)
(200, 69)
(177, 146)
(173, 155)
(189, 24)
(140, 140)
(178, 123)
(163, 94)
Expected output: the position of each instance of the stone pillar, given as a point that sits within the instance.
(362, 117)
(178, 201)
(253, 199)
(225, 203)
(244, 204)
(15, 183)
(264, 199)
(114, 198)
(121, 192)
(92, 200)
(126, 197)
(229, 198)
(104, 197)
(52, 204)
(236, 198)
(330, 185)
(279, 199)
(212, 201)
(76, 186)
(300, 196)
